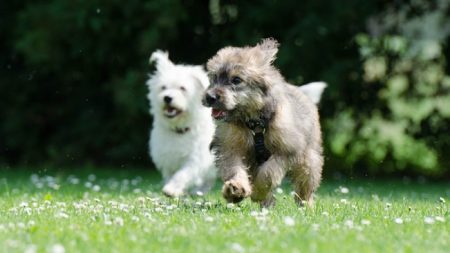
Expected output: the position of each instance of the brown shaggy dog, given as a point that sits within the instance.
(266, 128)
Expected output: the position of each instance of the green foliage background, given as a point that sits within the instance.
(72, 75)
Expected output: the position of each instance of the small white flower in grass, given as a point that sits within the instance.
(365, 222)
(253, 213)
(199, 193)
(344, 190)
(209, 219)
(158, 209)
(57, 248)
(27, 210)
(441, 200)
(398, 220)
(279, 190)
(289, 221)
(31, 249)
(62, 215)
(147, 215)
(230, 205)
(237, 247)
(388, 205)
(348, 223)
(208, 204)
(96, 188)
(440, 218)
(344, 201)
(118, 221)
(325, 214)
(429, 220)
(135, 218)
(92, 177)
(198, 203)
(23, 204)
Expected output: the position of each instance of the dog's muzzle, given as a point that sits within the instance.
(211, 99)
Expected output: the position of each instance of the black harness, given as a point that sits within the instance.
(258, 128)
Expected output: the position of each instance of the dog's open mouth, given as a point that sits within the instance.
(218, 114)
(171, 112)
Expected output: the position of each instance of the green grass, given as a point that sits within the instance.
(120, 211)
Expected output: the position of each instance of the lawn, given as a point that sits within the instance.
(123, 211)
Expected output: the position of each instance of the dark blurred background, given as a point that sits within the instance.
(72, 75)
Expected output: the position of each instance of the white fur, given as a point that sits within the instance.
(313, 90)
(185, 160)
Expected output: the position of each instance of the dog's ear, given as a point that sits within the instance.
(161, 59)
(269, 48)
(199, 74)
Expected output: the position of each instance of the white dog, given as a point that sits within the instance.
(182, 127)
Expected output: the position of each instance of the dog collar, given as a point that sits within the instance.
(181, 130)
(258, 128)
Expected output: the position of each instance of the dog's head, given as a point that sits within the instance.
(240, 78)
(175, 90)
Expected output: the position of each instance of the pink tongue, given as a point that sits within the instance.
(216, 113)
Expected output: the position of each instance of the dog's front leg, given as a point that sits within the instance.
(180, 181)
(235, 177)
(268, 176)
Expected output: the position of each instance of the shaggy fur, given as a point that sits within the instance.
(245, 86)
(182, 128)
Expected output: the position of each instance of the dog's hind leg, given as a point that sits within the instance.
(268, 176)
(306, 178)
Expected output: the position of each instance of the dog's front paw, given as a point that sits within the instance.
(172, 191)
(234, 191)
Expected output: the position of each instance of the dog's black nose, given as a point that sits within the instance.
(211, 98)
(167, 99)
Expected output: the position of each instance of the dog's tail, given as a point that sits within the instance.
(314, 90)
(161, 59)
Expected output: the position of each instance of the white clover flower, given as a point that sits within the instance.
(230, 205)
(237, 247)
(199, 193)
(279, 190)
(92, 177)
(344, 190)
(57, 248)
(62, 215)
(31, 249)
(96, 188)
(429, 220)
(398, 220)
(118, 221)
(348, 223)
(365, 222)
(439, 218)
(289, 221)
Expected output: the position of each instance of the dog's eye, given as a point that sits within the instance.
(183, 88)
(163, 87)
(236, 80)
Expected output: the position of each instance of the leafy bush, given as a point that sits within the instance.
(73, 74)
